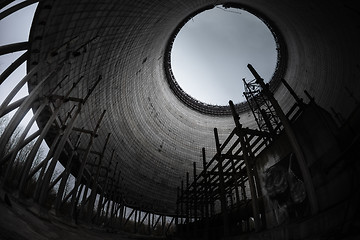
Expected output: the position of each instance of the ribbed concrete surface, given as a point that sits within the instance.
(155, 136)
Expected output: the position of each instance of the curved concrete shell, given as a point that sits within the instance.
(156, 137)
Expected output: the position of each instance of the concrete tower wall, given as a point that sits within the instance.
(156, 137)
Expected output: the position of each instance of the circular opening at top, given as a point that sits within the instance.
(210, 53)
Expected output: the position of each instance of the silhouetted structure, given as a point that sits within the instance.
(103, 95)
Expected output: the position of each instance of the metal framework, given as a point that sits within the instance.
(226, 175)
(96, 195)
(263, 111)
(224, 178)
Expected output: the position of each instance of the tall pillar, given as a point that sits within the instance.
(64, 179)
(95, 182)
(104, 188)
(187, 205)
(206, 195)
(195, 196)
(246, 156)
(222, 186)
(84, 160)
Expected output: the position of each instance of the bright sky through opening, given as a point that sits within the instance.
(211, 52)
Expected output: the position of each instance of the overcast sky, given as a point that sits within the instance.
(211, 52)
(14, 28)
(209, 55)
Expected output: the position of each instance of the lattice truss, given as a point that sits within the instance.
(263, 111)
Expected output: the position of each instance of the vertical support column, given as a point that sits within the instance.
(195, 199)
(114, 196)
(153, 221)
(43, 166)
(65, 178)
(257, 181)
(149, 223)
(77, 198)
(110, 195)
(243, 192)
(240, 134)
(163, 221)
(84, 197)
(235, 176)
(177, 207)
(84, 160)
(59, 149)
(187, 201)
(222, 186)
(206, 195)
(135, 221)
(95, 182)
(182, 207)
(107, 206)
(121, 215)
(104, 189)
(195, 191)
(293, 141)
